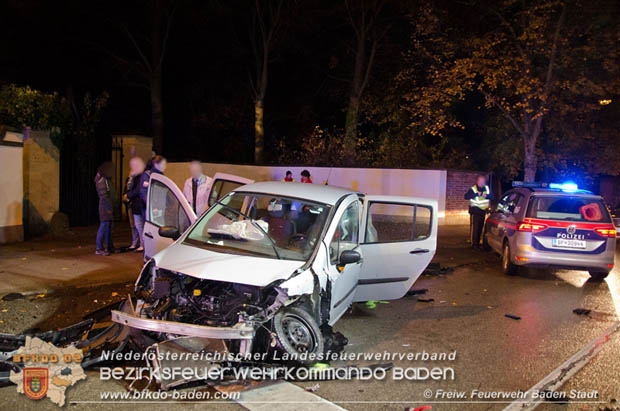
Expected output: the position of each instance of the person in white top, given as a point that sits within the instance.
(196, 188)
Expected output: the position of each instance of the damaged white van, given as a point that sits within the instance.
(273, 265)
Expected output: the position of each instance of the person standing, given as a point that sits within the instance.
(136, 205)
(306, 177)
(479, 196)
(155, 165)
(288, 177)
(196, 188)
(159, 164)
(105, 191)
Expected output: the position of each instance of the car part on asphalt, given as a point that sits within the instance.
(417, 292)
(582, 311)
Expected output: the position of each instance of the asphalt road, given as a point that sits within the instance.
(467, 317)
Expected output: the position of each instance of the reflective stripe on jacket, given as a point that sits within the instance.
(479, 201)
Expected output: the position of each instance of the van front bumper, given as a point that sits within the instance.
(239, 331)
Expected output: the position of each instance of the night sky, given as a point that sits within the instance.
(75, 47)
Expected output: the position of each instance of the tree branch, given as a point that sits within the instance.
(505, 112)
(166, 35)
(145, 61)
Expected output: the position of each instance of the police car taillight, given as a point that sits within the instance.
(531, 227)
(606, 232)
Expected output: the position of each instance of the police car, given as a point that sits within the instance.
(554, 226)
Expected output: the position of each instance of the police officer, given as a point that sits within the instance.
(479, 197)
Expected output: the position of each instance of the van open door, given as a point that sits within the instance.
(399, 241)
(165, 207)
(223, 184)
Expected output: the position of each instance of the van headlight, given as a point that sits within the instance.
(146, 279)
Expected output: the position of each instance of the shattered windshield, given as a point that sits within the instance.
(261, 224)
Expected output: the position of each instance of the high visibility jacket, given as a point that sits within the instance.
(478, 201)
(292, 180)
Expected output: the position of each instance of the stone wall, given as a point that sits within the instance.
(41, 170)
(11, 188)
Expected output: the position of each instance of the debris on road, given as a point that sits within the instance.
(582, 311)
(313, 388)
(373, 304)
(514, 317)
(12, 297)
(436, 269)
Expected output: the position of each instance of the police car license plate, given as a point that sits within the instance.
(567, 243)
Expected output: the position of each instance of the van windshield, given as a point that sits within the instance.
(262, 225)
(568, 208)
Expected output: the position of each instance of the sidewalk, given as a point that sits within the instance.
(51, 262)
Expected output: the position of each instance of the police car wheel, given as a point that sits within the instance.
(508, 267)
(598, 275)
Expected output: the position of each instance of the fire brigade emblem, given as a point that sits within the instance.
(571, 229)
(35, 382)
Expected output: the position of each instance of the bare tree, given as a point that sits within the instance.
(363, 17)
(146, 64)
(265, 33)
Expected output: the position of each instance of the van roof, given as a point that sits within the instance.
(313, 192)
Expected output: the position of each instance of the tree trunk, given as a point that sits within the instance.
(259, 131)
(352, 120)
(157, 120)
(530, 161)
(157, 114)
(353, 109)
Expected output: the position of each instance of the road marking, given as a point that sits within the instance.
(564, 372)
(281, 393)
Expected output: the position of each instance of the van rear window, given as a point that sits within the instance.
(567, 208)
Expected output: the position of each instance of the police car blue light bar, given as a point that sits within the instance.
(536, 184)
(568, 186)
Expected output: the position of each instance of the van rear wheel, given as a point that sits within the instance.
(597, 275)
(508, 267)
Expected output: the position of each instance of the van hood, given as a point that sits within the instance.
(209, 265)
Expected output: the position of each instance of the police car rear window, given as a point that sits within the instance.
(565, 208)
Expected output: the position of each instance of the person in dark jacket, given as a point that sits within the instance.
(135, 208)
(105, 190)
(156, 165)
(140, 191)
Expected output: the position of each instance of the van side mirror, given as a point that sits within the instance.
(349, 257)
(169, 232)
